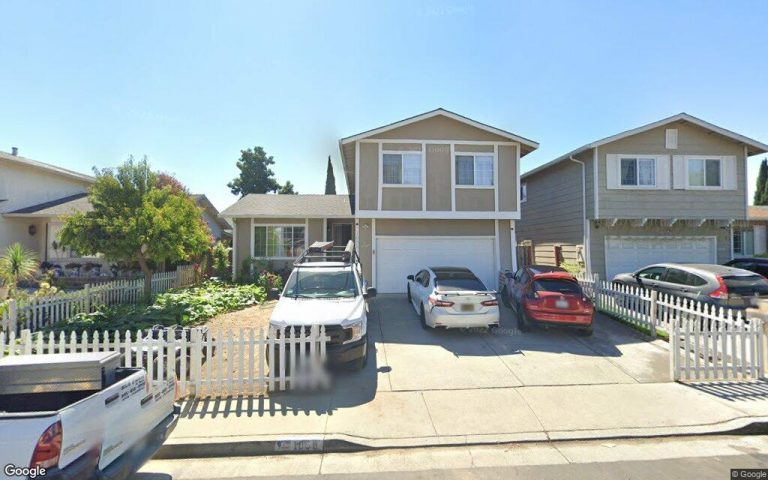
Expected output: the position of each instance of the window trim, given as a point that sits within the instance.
(720, 160)
(523, 192)
(620, 157)
(402, 168)
(494, 169)
(253, 238)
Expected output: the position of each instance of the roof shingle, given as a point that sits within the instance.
(273, 205)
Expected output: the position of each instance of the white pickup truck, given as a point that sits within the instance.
(79, 416)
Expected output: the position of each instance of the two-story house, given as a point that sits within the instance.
(669, 191)
(434, 189)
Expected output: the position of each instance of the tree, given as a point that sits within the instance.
(287, 189)
(330, 179)
(255, 174)
(135, 219)
(18, 264)
(168, 180)
(761, 189)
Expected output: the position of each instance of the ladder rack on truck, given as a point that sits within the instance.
(320, 252)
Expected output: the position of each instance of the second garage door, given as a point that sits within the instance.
(397, 257)
(624, 254)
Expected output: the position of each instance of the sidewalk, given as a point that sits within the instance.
(338, 421)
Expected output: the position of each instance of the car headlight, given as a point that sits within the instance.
(358, 330)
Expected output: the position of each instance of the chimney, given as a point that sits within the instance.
(15, 151)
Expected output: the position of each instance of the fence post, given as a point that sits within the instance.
(654, 307)
(26, 342)
(13, 315)
(763, 373)
(87, 290)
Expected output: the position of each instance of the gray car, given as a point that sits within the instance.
(714, 284)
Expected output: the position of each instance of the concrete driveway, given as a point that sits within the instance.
(409, 357)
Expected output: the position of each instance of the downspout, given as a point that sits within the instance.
(584, 225)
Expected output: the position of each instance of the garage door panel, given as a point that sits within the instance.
(629, 253)
(397, 257)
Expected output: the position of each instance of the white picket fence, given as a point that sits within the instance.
(213, 364)
(38, 312)
(707, 342)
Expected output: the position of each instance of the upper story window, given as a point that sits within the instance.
(278, 241)
(704, 172)
(401, 169)
(474, 170)
(638, 172)
(523, 192)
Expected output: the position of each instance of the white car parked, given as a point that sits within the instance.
(452, 297)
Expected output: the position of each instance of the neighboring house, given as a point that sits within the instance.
(219, 227)
(35, 198)
(32, 194)
(669, 191)
(749, 238)
(434, 189)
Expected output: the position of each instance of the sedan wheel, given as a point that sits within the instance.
(522, 321)
(422, 317)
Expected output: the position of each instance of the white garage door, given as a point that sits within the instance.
(627, 254)
(398, 257)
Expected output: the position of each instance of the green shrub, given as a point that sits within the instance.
(188, 307)
(269, 280)
(572, 267)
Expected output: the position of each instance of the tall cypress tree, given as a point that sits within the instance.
(330, 179)
(761, 189)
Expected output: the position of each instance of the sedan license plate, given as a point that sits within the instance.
(562, 303)
(467, 307)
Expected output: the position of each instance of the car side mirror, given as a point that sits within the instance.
(409, 277)
(369, 293)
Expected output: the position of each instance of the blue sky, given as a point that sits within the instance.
(189, 84)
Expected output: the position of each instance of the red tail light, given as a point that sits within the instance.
(721, 291)
(48, 448)
(490, 303)
(439, 303)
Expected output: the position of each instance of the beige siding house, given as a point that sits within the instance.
(434, 189)
(672, 190)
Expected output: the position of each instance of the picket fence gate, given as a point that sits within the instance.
(38, 312)
(206, 364)
(707, 342)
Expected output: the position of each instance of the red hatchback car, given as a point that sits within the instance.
(548, 296)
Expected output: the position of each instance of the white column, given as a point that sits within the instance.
(513, 243)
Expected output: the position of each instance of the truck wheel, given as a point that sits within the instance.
(586, 332)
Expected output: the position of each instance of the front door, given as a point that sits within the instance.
(341, 234)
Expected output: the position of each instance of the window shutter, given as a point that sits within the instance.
(729, 172)
(678, 172)
(611, 171)
(662, 172)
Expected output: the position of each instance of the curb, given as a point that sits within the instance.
(344, 444)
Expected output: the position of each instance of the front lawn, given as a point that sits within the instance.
(188, 307)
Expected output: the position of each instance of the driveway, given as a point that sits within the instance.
(410, 358)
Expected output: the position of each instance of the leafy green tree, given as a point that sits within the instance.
(761, 189)
(287, 189)
(255, 176)
(135, 219)
(330, 179)
(18, 264)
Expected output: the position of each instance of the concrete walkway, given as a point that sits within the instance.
(429, 388)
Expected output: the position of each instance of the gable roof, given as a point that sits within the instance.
(55, 208)
(446, 113)
(282, 206)
(202, 201)
(46, 166)
(755, 146)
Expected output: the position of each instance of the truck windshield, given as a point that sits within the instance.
(321, 284)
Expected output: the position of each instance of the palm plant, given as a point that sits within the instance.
(18, 264)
